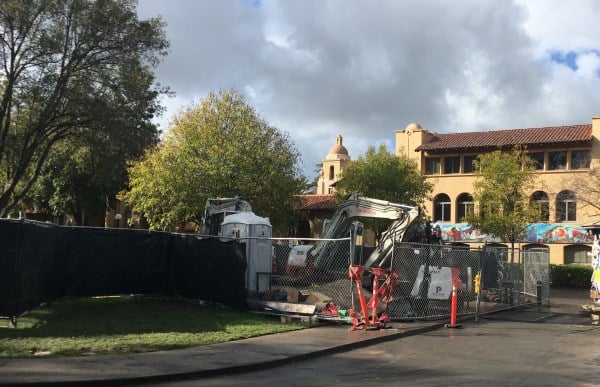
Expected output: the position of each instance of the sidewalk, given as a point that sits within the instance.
(226, 358)
(568, 301)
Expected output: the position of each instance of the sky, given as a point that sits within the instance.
(364, 69)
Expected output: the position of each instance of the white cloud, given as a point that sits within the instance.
(363, 69)
(588, 66)
(562, 25)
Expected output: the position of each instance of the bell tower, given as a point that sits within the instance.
(334, 164)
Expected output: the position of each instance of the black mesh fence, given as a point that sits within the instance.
(42, 262)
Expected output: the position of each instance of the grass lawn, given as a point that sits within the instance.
(119, 325)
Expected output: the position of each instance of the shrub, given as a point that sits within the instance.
(574, 275)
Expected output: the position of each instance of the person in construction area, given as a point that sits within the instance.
(428, 231)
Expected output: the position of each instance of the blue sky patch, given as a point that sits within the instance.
(567, 59)
(254, 3)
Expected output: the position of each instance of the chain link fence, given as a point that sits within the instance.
(299, 272)
(414, 282)
(536, 274)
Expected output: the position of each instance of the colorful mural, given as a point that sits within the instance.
(557, 233)
(464, 232)
(536, 232)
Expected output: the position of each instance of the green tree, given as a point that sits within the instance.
(84, 173)
(502, 181)
(70, 66)
(382, 175)
(218, 148)
(588, 189)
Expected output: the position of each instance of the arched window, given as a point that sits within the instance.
(500, 250)
(442, 208)
(541, 199)
(566, 206)
(534, 246)
(331, 174)
(464, 206)
(459, 246)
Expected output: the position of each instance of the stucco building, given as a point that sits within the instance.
(321, 205)
(335, 162)
(564, 156)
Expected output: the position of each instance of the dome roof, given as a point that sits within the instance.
(413, 127)
(338, 151)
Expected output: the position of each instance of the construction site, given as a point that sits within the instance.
(336, 278)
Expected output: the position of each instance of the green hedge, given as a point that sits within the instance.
(574, 275)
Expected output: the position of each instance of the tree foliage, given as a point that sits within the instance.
(588, 189)
(217, 148)
(502, 183)
(382, 175)
(84, 173)
(70, 66)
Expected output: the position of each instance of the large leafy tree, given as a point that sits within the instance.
(217, 148)
(83, 174)
(382, 175)
(67, 67)
(502, 183)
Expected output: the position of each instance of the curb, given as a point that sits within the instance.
(236, 369)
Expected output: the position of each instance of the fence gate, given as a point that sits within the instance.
(536, 274)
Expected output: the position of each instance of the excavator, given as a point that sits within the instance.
(345, 222)
(217, 209)
(328, 260)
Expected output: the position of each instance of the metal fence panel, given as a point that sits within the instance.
(298, 273)
(423, 277)
(536, 274)
(425, 281)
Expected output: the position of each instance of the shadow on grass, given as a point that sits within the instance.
(126, 315)
(120, 325)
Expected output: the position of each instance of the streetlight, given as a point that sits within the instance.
(117, 220)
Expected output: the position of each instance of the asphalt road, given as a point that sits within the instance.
(557, 351)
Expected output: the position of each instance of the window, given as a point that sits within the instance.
(566, 207)
(452, 164)
(538, 160)
(499, 250)
(557, 160)
(442, 208)
(580, 159)
(432, 166)
(468, 163)
(331, 174)
(578, 254)
(541, 198)
(464, 206)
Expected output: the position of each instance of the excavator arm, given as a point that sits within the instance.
(357, 206)
(217, 208)
(353, 208)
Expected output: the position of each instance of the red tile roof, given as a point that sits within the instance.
(317, 202)
(573, 135)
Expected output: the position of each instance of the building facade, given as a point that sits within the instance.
(564, 157)
(334, 164)
(321, 205)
